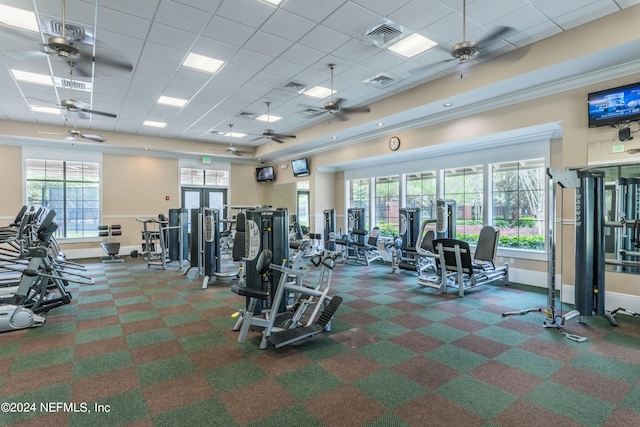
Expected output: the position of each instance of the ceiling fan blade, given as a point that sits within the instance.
(363, 109)
(283, 135)
(100, 113)
(276, 139)
(70, 138)
(112, 62)
(96, 138)
(497, 33)
(258, 138)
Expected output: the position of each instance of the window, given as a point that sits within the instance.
(519, 203)
(303, 205)
(359, 196)
(217, 178)
(421, 193)
(387, 205)
(72, 189)
(465, 187)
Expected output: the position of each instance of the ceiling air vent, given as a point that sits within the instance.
(380, 80)
(382, 35)
(74, 32)
(296, 87)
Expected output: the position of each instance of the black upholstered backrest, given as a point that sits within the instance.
(487, 244)
(238, 240)
(448, 247)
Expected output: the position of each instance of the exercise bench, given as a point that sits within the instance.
(111, 248)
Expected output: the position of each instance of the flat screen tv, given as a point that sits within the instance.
(265, 174)
(300, 167)
(614, 106)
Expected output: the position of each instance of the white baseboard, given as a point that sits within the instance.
(531, 278)
(612, 300)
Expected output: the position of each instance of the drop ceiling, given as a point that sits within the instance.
(271, 54)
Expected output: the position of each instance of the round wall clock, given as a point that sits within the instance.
(394, 143)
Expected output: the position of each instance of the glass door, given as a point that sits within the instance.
(194, 198)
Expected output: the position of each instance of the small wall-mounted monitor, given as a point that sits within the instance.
(613, 106)
(265, 174)
(300, 167)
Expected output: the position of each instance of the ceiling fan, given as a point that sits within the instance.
(334, 106)
(231, 149)
(467, 50)
(73, 134)
(270, 133)
(70, 51)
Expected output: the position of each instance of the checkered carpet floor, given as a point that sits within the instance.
(149, 347)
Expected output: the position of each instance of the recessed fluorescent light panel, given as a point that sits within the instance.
(18, 18)
(175, 102)
(319, 92)
(268, 118)
(154, 124)
(235, 135)
(48, 110)
(202, 63)
(39, 79)
(412, 45)
(273, 2)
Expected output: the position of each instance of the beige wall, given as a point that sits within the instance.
(11, 181)
(137, 186)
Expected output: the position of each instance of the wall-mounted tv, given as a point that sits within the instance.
(300, 167)
(265, 174)
(614, 106)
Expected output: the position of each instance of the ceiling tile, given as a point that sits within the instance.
(352, 19)
(171, 37)
(251, 13)
(228, 31)
(268, 44)
(324, 39)
(183, 17)
(287, 25)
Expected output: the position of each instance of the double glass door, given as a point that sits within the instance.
(195, 198)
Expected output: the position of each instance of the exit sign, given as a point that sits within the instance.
(206, 160)
(618, 148)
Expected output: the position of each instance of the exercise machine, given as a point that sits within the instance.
(178, 235)
(443, 226)
(403, 248)
(154, 241)
(589, 284)
(459, 270)
(204, 254)
(329, 230)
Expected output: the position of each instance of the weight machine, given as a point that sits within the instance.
(154, 241)
(205, 244)
(270, 283)
(178, 235)
(443, 226)
(403, 248)
(589, 285)
(329, 232)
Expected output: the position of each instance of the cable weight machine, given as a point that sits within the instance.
(589, 286)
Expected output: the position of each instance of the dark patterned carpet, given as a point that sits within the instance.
(144, 347)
